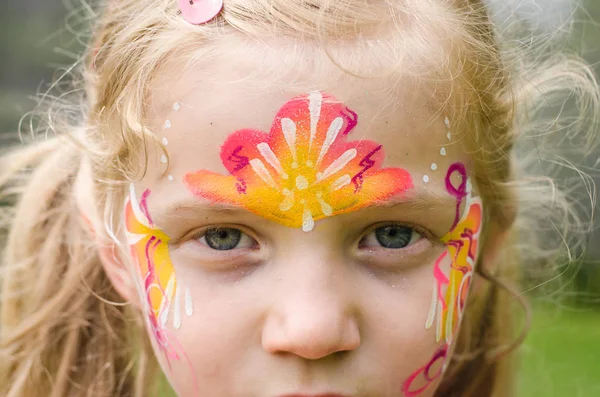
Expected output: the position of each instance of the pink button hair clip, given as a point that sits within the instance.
(198, 12)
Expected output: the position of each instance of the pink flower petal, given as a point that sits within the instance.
(200, 11)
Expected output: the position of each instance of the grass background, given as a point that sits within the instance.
(561, 356)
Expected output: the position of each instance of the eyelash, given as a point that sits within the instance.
(423, 233)
(245, 259)
(200, 234)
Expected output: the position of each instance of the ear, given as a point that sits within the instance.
(117, 272)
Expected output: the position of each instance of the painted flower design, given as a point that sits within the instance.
(304, 169)
(461, 250)
(149, 248)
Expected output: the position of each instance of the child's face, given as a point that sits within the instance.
(285, 265)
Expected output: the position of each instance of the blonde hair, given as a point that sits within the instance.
(64, 329)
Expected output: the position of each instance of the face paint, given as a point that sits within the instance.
(428, 374)
(434, 166)
(450, 291)
(304, 169)
(150, 250)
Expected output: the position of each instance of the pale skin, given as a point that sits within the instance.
(289, 312)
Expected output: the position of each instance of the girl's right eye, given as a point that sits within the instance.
(226, 239)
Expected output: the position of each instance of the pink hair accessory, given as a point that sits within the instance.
(198, 12)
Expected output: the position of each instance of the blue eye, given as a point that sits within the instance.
(226, 239)
(392, 236)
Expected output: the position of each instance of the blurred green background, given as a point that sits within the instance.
(562, 352)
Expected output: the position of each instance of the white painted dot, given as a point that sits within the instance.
(449, 136)
(425, 178)
(433, 166)
(176, 106)
(288, 200)
(443, 151)
(163, 159)
(447, 122)
(165, 141)
(167, 125)
(301, 182)
(170, 177)
(308, 222)
(295, 165)
(309, 163)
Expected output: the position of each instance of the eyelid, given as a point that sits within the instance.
(419, 229)
(244, 237)
(231, 262)
(198, 233)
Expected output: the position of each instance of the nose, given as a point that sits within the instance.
(312, 314)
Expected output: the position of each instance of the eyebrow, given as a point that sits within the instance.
(194, 205)
(417, 199)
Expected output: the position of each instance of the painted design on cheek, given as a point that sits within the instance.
(161, 291)
(461, 245)
(427, 374)
(304, 169)
(450, 291)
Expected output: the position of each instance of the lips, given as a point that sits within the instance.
(316, 395)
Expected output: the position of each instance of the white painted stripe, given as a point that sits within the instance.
(177, 312)
(338, 164)
(315, 101)
(135, 205)
(332, 133)
(289, 133)
(326, 208)
(341, 182)
(266, 151)
(450, 313)
(434, 303)
(260, 169)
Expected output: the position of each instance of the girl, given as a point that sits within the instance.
(281, 198)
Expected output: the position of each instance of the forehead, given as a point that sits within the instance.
(194, 111)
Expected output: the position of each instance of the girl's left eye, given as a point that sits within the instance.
(392, 236)
(226, 239)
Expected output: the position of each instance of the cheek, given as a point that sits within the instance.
(217, 338)
(453, 275)
(395, 334)
(413, 357)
